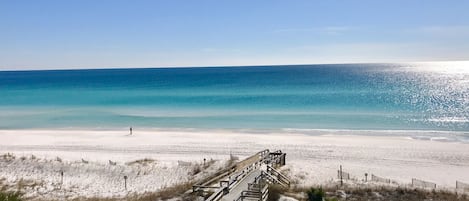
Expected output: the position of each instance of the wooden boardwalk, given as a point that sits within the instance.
(237, 182)
(241, 186)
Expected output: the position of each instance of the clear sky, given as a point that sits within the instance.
(43, 34)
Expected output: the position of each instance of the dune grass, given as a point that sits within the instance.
(388, 193)
(10, 196)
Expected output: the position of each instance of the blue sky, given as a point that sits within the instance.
(113, 33)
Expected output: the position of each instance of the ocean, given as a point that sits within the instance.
(410, 96)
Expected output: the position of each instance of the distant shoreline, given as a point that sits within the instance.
(438, 135)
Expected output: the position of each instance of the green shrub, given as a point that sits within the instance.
(315, 194)
(274, 192)
(10, 196)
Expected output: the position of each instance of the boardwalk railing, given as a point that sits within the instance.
(233, 180)
(218, 194)
(205, 184)
(235, 173)
(256, 190)
(279, 177)
(253, 160)
(276, 158)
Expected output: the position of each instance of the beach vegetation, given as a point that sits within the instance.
(275, 191)
(315, 194)
(10, 196)
(8, 157)
(175, 191)
(145, 161)
(196, 169)
(380, 193)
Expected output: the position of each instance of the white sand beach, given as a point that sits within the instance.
(311, 159)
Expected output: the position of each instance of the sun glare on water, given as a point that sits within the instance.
(445, 67)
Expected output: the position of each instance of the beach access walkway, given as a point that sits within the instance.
(235, 192)
(245, 180)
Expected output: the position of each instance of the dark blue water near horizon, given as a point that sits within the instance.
(424, 96)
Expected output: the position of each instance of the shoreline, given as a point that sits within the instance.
(425, 135)
(261, 130)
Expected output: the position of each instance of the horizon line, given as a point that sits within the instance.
(219, 66)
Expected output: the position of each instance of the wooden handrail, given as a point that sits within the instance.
(278, 174)
(217, 195)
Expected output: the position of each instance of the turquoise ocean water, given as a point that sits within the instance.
(418, 96)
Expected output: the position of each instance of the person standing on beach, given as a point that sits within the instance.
(130, 131)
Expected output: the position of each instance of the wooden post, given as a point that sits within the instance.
(341, 181)
(125, 182)
(61, 178)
